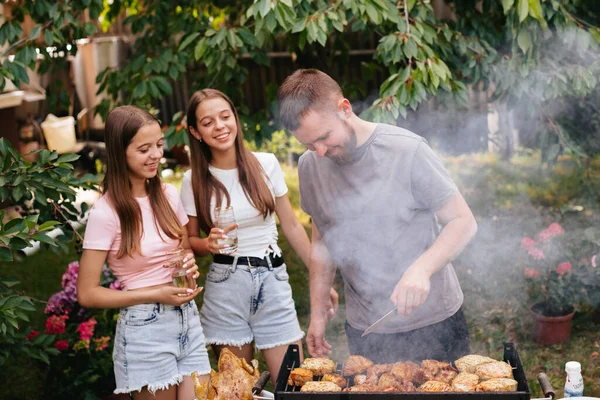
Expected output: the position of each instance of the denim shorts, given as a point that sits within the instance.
(243, 303)
(156, 345)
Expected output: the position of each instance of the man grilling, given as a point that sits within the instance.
(376, 193)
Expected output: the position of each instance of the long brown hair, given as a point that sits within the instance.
(204, 184)
(122, 124)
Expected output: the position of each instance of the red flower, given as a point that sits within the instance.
(86, 329)
(61, 345)
(536, 254)
(32, 335)
(527, 243)
(563, 268)
(102, 343)
(56, 324)
(532, 273)
(552, 230)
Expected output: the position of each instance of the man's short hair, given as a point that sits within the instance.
(305, 90)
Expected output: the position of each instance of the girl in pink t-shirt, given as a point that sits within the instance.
(135, 226)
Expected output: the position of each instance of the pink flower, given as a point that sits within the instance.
(86, 329)
(536, 254)
(102, 343)
(115, 285)
(563, 268)
(552, 230)
(32, 335)
(527, 243)
(56, 324)
(61, 345)
(594, 261)
(532, 273)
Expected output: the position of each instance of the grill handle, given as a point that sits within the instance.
(546, 386)
(262, 381)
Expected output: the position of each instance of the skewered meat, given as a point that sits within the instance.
(235, 378)
(319, 366)
(299, 376)
(335, 378)
(434, 386)
(468, 363)
(465, 382)
(497, 385)
(320, 387)
(496, 369)
(379, 369)
(356, 365)
(409, 371)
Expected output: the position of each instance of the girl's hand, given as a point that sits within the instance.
(217, 234)
(189, 263)
(173, 295)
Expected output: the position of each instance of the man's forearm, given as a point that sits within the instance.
(452, 240)
(322, 274)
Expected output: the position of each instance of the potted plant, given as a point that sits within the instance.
(551, 284)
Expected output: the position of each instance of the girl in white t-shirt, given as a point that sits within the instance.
(247, 294)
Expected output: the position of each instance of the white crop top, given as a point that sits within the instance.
(257, 236)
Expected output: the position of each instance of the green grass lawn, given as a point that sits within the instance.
(509, 200)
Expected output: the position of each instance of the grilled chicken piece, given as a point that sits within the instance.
(496, 369)
(335, 378)
(235, 378)
(468, 363)
(299, 376)
(388, 379)
(409, 371)
(379, 369)
(434, 386)
(356, 365)
(435, 367)
(407, 386)
(445, 376)
(363, 388)
(319, 366)
(497, 385)
(360, 379)
(320, 387)
(465, 382)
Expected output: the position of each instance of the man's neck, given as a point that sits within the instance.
(363, 129)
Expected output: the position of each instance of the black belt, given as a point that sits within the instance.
(249, 261)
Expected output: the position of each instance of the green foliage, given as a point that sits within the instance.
(45, 192)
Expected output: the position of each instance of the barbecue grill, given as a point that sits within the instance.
(283, 391)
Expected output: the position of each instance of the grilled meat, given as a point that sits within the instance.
(360, 379)
(388, 379)
(465, 382)
(409, 371)
(362, 388)
(379, 369)
(235, 378)
(299, 376)
(319, 366)
(497, 385)
(434, 386)
(335, 378)
(468, 363)
(356, 365)
(320, 387)
(496, 369)
(200, 388)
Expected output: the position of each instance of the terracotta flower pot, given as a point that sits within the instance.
(552, 330)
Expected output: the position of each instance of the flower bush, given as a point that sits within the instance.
(84, 339)
(552, 283)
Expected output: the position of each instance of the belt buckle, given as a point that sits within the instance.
(250, 263)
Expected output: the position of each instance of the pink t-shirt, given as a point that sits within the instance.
(103, 232)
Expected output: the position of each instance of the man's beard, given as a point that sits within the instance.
(345, 151)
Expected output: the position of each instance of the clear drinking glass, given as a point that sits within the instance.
(178, 272)
(224, 218)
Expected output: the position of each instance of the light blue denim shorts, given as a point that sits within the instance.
(243, 303)
(156, 345)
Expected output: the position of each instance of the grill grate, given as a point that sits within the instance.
(283, 391)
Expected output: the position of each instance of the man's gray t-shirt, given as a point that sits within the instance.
(376, 217)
